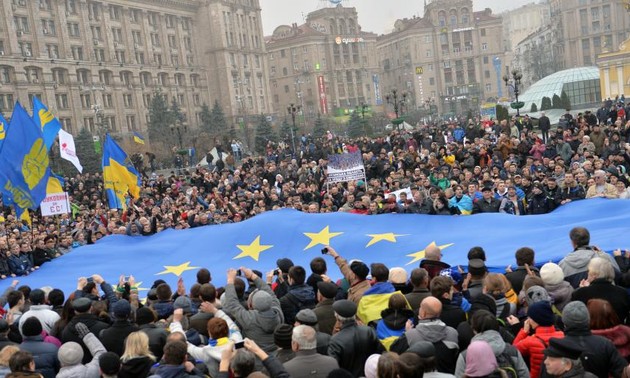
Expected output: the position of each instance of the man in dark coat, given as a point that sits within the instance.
(420, 281)
(145, 319)
(442, 289)
(307, 363)
(299, 295)
(354, 343)
(525, 264)
(113, 338)
(326, 292)
(82, 307)
(487, 204)
(544, 125)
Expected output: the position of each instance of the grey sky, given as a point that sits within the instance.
(376, 16)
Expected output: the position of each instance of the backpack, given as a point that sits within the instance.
(506, 362)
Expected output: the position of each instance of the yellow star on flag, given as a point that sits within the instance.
(417, 256)
(389, 236)
(177, 269)
(323, 237)
(253, 250)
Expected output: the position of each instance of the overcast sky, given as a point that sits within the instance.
(376, 16)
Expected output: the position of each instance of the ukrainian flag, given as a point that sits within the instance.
(119, 177)
(138, 138)
(48, 123)
(3, 130)
(24, 165)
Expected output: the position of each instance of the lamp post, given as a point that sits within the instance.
(514, 82)
(292, 109)
(398, 102)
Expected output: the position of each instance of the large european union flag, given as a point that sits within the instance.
(396, 240)
(119, 177)
(47, 122)
(24, 165)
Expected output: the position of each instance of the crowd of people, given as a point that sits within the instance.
(557, 320)
(457, 167)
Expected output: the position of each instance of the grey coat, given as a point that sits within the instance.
(310, 364)
(89, 370)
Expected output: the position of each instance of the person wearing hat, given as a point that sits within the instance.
(487, 204)
(474, 287)
(113, 338)
(538, 202)
(145, 319)
(534, 337)
(263, 315)
(355, 274)
(71, 355)
(282, 340)
(82, 307)
(559, 289)
(326, 293)
(45, 353)
(354, 343)
(431, 328)
(308, 317)
(562, 359)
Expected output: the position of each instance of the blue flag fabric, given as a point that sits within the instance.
(395, 240)
(3, 130)
(24, 164)
(47, 122)
(118, 176)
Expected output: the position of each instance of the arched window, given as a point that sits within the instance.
(465, 16)
(453, 17)
(442, 18)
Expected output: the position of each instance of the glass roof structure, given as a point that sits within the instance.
(581, 85)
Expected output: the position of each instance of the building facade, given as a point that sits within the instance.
(583, 29)
(614, 68)
(451, 58)
(521, 22)
(96, 64)
(326, 65)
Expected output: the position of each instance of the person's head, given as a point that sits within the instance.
(580, 237)
(303, 338)
(380, 272)
(164, 292)
(397, 301)
(318, 266)
(560, 356)
(109, 364)
(524, 255)
(282, 336)
(15, 298)
(410, 365)
(551, 274)
(22, 361)
(297, 275)
(6, 353)
(56, 298)
(37, 297)
(208, 293)
(430, 308)
(482, 321)
(575, 315)
(600, 177)
(540, 314)
(137, 345)
(31, 327)
(175, 352)
(494, 285)
(419, 278)
(203, 276)
(217, 328)
(242, 363)
(602, 314)
(345, 310)
(442, 287)
(433, 253)
(70, 354)
(600, 268)
(388, 365)
(480, 360)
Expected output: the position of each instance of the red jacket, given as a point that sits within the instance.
(619, 335)
(533, 346)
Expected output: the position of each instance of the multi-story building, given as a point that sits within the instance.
(97, 63)
(326, 65)
(582, 29)
(614, 71)
(451, 57)
(534, 56)
(520, 22)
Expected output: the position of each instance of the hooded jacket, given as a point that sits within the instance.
(259, 323)
(498, 347)
(135, 367)
(297, 298)
(575, 264)
(392, 325)
(561, 293)
(175, 371)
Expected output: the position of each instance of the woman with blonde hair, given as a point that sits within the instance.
(137, 359)
(497, 286)
(5, 356)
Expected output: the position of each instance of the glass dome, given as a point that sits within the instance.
(580, 84)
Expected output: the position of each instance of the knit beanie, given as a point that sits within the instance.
(551, 274)
(70, 354)
(282, 336)
(541, 313)
(31, 327)
(480, 359)
(261, 301)
(575, 315)
(144, 315)
(371, 366)
(537, 294)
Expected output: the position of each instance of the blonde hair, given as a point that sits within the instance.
(137, 345)
(6, 353)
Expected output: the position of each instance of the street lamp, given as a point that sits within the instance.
(292, 109)
(178, 128)
(398, 102)
(515, 82)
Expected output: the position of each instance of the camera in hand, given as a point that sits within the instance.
(277, 272)
(324, 251)
(90, 279)
(239, 344)
(239, 273)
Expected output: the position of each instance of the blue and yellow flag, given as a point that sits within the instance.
(392, 239)
(118, 176)
(138, 138)
(48, 123)
(24, 165)
(3, 130)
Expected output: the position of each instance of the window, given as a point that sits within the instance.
(153, 18)
(170, 21)
(488, 87)
(134, 15)
(59, 75)
(71, 6)
(486, 74)
(61, 99)
(48, 27)
(21, 24)
(53, 51)
(77, 52)
(96, 33)
(6, 102)
(139, 58)
(485, 60)
(447, 64)
(188, 43)
(86, 101)
(146, 99)
(1, 47)
(117, 35)
(175, 60)
(115, 12)
(155, 39)
(108, 101)
(483, 32)
(157, 59)
(120, 56)
(83, 76)
(105, 77)
(484, 46)
(431, 81)
(32, 75)
(283, 53)
(26, 48)
(196, 99)
(172, 42)
(186, 23)
(88, 123)
(131, 122)
(5, 74)
(73, 29)
(257, 60)
(136, 35)
(67, 124)
(286, 89)
(94, 11)
(194, 80)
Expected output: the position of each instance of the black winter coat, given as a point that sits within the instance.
(69, 333)
(113, 338)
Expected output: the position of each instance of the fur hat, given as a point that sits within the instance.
(551, 274)
(70, 354)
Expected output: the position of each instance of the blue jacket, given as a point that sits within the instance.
(19, 265)
(44, 354)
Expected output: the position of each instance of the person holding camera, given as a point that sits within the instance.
(355, 274)
(263, 314)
